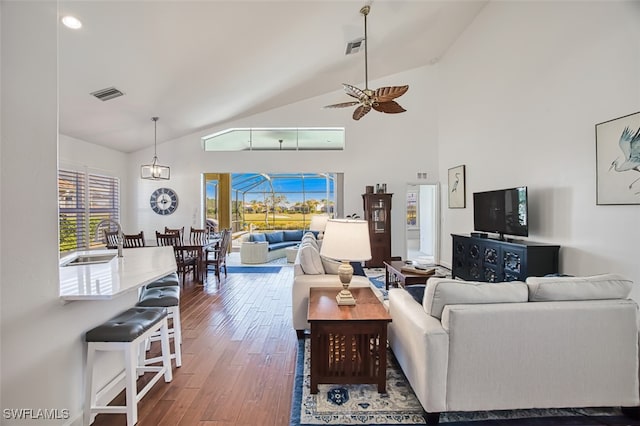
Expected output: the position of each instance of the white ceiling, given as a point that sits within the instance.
(198, 64)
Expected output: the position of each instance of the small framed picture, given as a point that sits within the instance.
(457, 193)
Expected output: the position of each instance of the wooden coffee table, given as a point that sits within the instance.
(348, 343)
(396, 277)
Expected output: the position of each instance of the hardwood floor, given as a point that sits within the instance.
(238, 356)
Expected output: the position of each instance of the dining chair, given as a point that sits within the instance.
(179, 231)
(111, 237)
(186, 261)
(218, 255)
(134, 240)
(198, 236)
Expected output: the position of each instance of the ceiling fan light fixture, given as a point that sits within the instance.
(381, 99)
(155, 171)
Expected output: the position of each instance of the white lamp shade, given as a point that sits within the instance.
(346, 240)
(318, 222)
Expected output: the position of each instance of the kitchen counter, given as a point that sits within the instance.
(103, 281)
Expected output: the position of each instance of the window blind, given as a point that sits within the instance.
(84, 200)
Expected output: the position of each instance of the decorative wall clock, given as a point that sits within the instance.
(164, 201)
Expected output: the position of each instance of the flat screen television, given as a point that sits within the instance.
(504, 211)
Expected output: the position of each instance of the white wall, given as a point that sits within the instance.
(81, 155)
(518, 97)
(42, 353)
(521, 93)
(380, 148)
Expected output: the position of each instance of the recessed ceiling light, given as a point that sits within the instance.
(71, 22)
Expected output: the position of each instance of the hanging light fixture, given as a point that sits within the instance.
(155, 171)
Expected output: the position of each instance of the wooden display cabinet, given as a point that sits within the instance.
(377, 211)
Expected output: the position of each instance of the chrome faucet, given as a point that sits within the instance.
(120, 235)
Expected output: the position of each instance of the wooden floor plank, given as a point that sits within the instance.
(239, 354)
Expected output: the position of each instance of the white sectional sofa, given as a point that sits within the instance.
(311, 270)
(553, 342)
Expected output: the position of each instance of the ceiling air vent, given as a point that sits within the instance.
(354, 46)
(108, 93)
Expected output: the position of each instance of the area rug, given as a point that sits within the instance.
(363, 405)
(379, 282)
(253, 269)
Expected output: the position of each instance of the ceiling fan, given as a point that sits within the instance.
(381, 99)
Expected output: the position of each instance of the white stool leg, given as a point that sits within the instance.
(177, 335)
(89, 396)
(166, 351)
(130, 359)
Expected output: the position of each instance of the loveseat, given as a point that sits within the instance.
(312, 270)
(553, 342)
(263, 247)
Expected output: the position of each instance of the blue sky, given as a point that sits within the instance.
(254, 185)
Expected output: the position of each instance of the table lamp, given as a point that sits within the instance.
(347, 241)
(319, 223)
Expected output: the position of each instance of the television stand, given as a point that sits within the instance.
(491, 260)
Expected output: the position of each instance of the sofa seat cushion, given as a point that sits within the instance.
(441, 292)
(597, 287)
(282, 245)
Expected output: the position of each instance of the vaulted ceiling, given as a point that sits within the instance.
(199, 64)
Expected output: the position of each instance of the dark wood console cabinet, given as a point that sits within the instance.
(489, 260)
(377, 211)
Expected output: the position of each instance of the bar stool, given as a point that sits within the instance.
(167, 296)
(125, 332)
(168, 280)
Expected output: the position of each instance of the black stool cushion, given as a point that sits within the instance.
(126, 326)
(171, 279)
(160, 296)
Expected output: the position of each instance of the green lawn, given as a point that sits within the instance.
(277, 220)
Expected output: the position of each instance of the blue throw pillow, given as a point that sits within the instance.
(292, 235)
(358, 269)
(416, 291)
(275, 237)
(257, 237)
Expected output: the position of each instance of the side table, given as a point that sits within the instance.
(396, 277)
(348, 343)
(291, 253)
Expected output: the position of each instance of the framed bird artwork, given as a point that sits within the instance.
(618, 160)
(457, 192)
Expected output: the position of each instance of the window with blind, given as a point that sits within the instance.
(84, 199)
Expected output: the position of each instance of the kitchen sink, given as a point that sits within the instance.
(89, 259)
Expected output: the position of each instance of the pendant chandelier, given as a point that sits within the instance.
(155, 171)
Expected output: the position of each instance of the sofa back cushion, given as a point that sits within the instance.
(275, 237)
(257, 237)
(310, 259)
(292, 235)
(597, 287)
(441, 292)
(309, 238)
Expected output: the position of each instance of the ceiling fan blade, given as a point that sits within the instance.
(354, 91)
(342, 105)
(361, 111)
(391, 107)
(385, 94)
